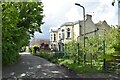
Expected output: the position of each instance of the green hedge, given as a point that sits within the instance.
(10, 58)
(18, 26)
(33, 49)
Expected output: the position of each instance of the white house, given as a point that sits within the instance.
(71, 31)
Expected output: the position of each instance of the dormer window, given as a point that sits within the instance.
(68, 32)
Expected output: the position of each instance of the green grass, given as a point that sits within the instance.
(84, 69)
(65, 61)
(77, 67)
(80, 68)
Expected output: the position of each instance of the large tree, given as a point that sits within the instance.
(20, 20)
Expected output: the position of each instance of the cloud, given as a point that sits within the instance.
(73, 15)
(105, 11)
(58, 12)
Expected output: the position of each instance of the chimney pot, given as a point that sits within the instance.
(89, 16)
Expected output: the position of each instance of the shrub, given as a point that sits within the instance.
(34, 49)
(10, 58)
(23, 49)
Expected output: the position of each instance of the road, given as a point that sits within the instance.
(36, 67)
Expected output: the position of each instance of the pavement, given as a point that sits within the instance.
(36, 67)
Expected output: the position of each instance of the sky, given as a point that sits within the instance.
(57, 12)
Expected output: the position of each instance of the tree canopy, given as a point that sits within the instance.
(20, 20)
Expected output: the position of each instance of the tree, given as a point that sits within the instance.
(30, 16)
(71, 49)
(113, 42)
(20, 20)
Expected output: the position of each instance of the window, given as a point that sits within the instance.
(54, 37)
(51, 37)
(51, 45)
(54, 45)
(68, 32)
(62, 33)
(59, 36)
(80, 30)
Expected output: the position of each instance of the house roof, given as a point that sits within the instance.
(68, 24)
(39, 41)
(79, 21)
(53, 30)
(100, 23)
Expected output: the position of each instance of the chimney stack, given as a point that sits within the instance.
(89, 17)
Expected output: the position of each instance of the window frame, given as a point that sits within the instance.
(54, 37)
(68, 33)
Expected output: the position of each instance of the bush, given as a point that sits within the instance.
(23, 49)
(10, 58)
(34, 49)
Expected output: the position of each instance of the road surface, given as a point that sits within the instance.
(36, 67)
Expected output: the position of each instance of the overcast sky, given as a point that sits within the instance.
(58, 12)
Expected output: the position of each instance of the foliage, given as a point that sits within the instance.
(23, 49)
(70, 50)
(69, 63)
(44, 46)
(30, 16)
(34, 49)
(112, 44)
(84, 69)
(20, 20)
(114, 41)
(45, 54)
(66, 62)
